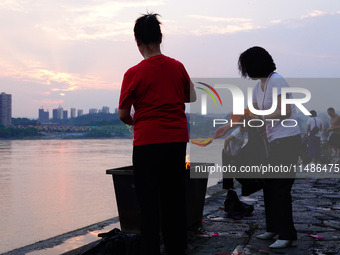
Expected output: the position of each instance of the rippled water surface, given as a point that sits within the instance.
(49, 187)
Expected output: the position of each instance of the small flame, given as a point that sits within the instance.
(187, 162)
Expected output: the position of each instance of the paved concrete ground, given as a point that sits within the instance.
(316, 209)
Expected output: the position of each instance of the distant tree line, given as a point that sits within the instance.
(24, 122)
(13, 132)
(103, 125)
(98, 119)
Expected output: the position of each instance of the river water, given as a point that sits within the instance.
(50, 187)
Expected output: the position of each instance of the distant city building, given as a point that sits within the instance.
(116, 111)
(93, 111)
(65, 115)
(58, 113)
(44, 116)
(55, 114)
(80, 112)
(105, 109)
(5, 109)
(73, 112)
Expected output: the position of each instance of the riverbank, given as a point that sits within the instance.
(68, 241)
(316, 206)
(75, 241)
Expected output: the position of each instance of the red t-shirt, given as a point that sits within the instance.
(157, 88)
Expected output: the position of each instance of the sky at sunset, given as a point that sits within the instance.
(74, 53)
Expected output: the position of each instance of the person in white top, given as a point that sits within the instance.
(233, 143)
(257, 64)
(263, 99)
(334, 139)
(314, 144)
(284, 140)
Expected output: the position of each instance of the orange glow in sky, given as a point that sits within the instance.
(50, 47)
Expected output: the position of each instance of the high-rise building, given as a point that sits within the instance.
(44, 116)
(80, 112)
(58, 114)
(65, 114)
(5, 109)
(73, 112)
(93, 111)
(55, 114)
(105, 109)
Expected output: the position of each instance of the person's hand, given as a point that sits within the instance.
(226, 141)
(329, 129)
(225, 151)
(221, 131)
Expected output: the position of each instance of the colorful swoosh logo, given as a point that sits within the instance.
(209, 93)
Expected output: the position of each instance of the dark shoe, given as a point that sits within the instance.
(235, 208)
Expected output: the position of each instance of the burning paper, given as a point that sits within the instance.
(202, 141)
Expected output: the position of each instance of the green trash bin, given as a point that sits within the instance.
(129, 212)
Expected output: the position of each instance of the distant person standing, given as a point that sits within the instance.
(334, 139)
(314, 136)
(157, 88)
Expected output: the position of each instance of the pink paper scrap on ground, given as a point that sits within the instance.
(315, 236)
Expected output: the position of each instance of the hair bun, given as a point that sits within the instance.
(147, 29)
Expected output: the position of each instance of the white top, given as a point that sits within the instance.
(236, 144)
(311, 123)
(275, 129)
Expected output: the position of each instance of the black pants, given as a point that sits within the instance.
(159, 171)
(228, 183)
(277, 197)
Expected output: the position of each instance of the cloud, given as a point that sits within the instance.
(48, 102)
(79, 20)
(94, 21)
(276, 21)
(75, 31)
(227, 29)
(11, 5)
(315, 13)
(220, 19)
(78, 47)
(56, 81)
(318, 13)
(209, 25)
